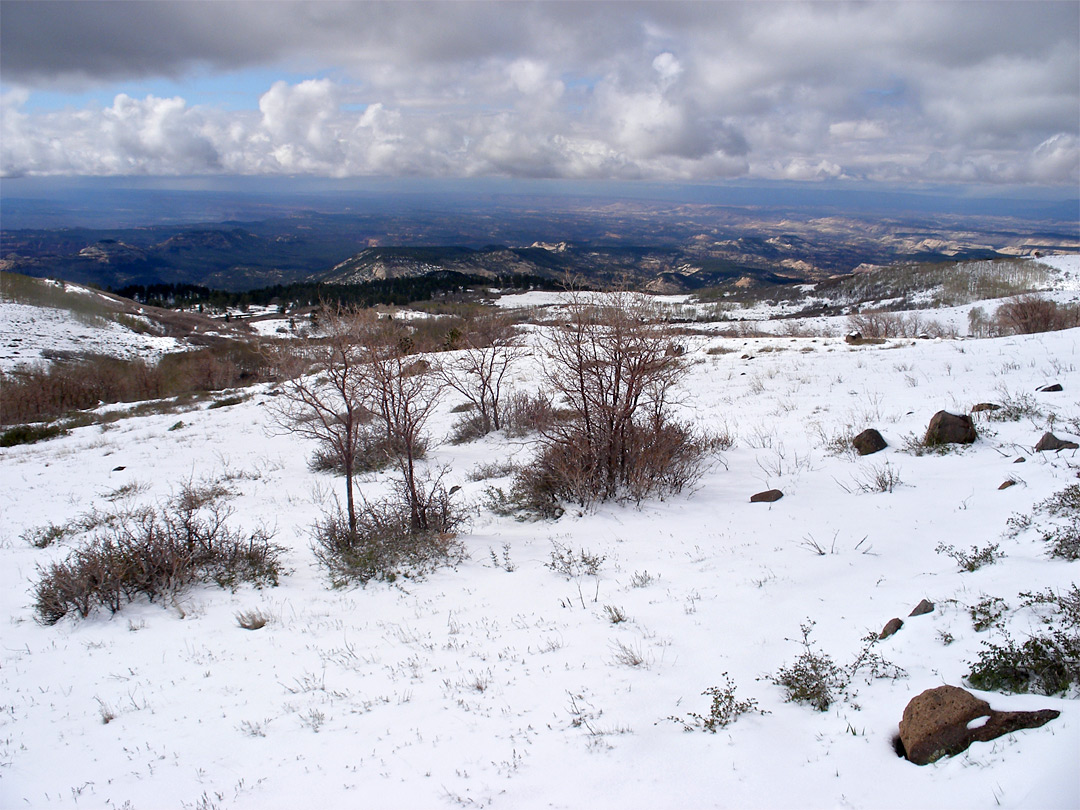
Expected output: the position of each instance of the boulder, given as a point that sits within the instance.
(944, 722)
(949, 428)
(768, 496)
(1051, 442)
(1050, 389)
(853, 337)
(890, 627)
(869, 441)
(925, 606)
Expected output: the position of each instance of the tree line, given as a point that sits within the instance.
(390, 292)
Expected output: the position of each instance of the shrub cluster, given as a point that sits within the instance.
(1047, 662)
(520, 413)
(648, 459)
(818, 681)
(1029, 314)
(1057, 519)
(879, 324)
(38, 394)
(387, 542)
(157, 553)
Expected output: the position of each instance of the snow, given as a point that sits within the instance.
(30, 333)
(488, 687)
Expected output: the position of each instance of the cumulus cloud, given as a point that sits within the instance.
(883, 91)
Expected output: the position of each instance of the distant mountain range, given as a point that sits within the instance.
(652, 245)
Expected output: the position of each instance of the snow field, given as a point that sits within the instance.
(486, 687)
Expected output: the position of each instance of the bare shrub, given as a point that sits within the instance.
(973, 559)
(1029, 314)
(492, 469)
(524, 413)
(723, 711)
(614, 366)
(489, 347)
(385, 543)
(157, 553)
(881, 324)
(36, 393)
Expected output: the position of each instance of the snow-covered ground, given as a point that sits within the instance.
(776, 316)
(31, 332)
(483, 686)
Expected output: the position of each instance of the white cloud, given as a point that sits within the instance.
(806, 169)
(662, 91)
(857, 130)
(668, 67)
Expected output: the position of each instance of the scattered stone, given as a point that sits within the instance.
(1049, 389)
(1008, 482)
(118, 469)
(1051, 442)
(936, 723)
(891, 627)
(924, 607)
(454, 489)
(853, 337)
(1019, 460)
(985, 406)
(768, 496)
(949, 428)
(869, 441)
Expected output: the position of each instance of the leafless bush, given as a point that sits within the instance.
(1029, 314)
(489, 347)
(612, 364)
(386, 543)
(524, 413)
(628, 655)
(876, 324)
(35, 394)
(157, 553)
(492, 469)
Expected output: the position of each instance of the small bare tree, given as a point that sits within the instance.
(355, 379)
(402, 391)
(615, 364)
(478, 370)
(325, 388)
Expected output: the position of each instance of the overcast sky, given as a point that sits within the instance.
(896, 92)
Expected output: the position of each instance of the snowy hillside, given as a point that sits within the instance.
(504, 684)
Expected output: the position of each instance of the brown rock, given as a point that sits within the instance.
(949, 428)
(936, 723)
(1050, 389)
(1051, 442)
(768, 496)
(1019, 460)
(924, 607)
(891, 627)
(1008, 482)
(869, 441)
